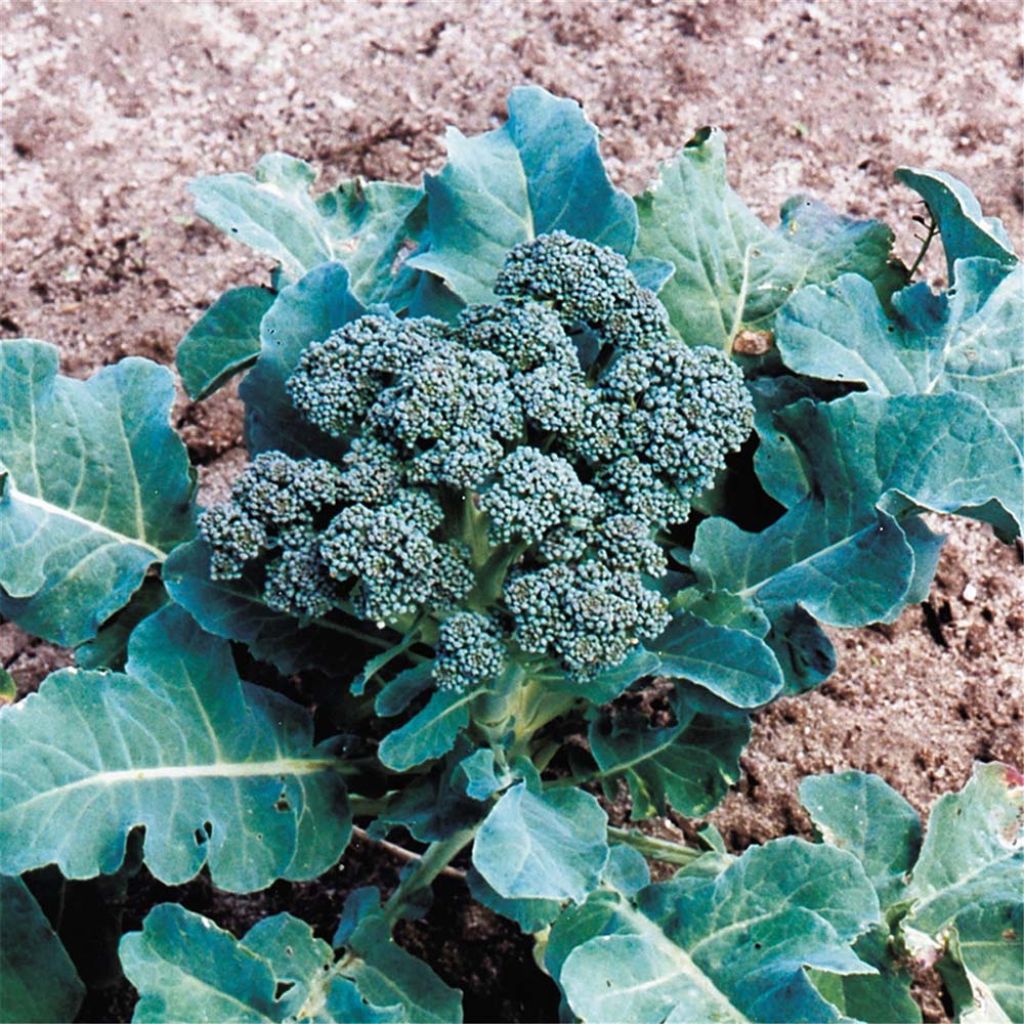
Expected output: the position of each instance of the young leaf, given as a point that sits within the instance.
(428, 734)
(218, 771)
(965, 230)
(732, 272)
(304, 312)
(733, 664)
(95, 487)
(540, 172)
(225, 340)
(732, 947)
(365, 226)
(38, 981)
(688, 766)
(542, 846)
(861, 814)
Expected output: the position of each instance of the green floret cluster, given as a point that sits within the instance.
(506, 480)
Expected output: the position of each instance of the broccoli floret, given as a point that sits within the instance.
(275, 493)
(533, 493)
(234, 539)
(470, 651)
(555, 400)
(297, 581)
(338, 379)
(584, 282)
(525, 335)
(452, 415)
(689, 409)
(389, 556)
(587, 616)
(625, 543)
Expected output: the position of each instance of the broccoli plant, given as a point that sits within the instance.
(521, 448)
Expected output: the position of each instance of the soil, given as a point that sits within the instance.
(110, 107)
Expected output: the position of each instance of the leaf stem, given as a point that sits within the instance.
(429, 865)
(933, 230)
(402, 853)
(657, 849)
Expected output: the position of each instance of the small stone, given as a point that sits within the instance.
(970, 594)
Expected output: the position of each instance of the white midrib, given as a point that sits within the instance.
(217, 770)
(64, 513)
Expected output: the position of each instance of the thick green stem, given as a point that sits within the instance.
(656, 849)
(436, 858)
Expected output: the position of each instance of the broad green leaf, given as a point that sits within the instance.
(218, 771)
(842, 574)
(965, 230)
(387, 976)
(38, 981)
(365, 226)
(970, 342)
(109, 648)
(225, 340)
(95, 487)
(186, 968)
(688, 766)
(802, 648)
(428, 734)
(477, 776)
(882, 998)
(546, 846)
(235, 610)
(731, 947)
(732, 272)
(530, 914)
(540, 172)
(967, 888)
(860, 813)
(987, 941)
(839, 552)
(732, 663)
(303, 312)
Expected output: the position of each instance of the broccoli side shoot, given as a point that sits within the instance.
(506, 481)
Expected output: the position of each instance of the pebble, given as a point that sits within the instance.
(970, 594)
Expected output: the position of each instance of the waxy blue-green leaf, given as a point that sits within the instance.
(225, 340)
(732, 272)
(967, 888)
(547, 846)
(38, 981)
(109, 648)
(968, 341)
(540, 172)
(530, 914)
(303, 312)
(688, 766)
(732, 663)
(860, 813)
(965, 230)
(95, 487)
(841, 552)
(430, 733)
(235, 610)
(734, 946)
(186, 968)
(365, 226)
(219, 772)
(882, 998)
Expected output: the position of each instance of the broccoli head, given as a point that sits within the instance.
(505, 481)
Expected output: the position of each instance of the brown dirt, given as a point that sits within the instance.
(110, 107)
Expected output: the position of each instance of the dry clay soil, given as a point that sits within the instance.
(109, 108)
